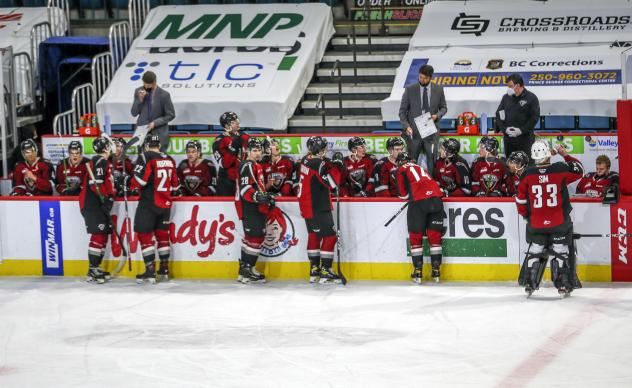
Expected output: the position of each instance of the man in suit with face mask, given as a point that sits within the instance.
(420, 98)
(517, 115)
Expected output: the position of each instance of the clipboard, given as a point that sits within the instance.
(425, 125)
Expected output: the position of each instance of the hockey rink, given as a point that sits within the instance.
(63, 332)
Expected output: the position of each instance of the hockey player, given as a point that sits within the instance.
(33, 176)
(278, 171)
(452, 171)
(229, 149)
(385, 169)
(95, 201)
(120, 167)
(358, 178)
(317, 179)
(517, 162)
(197, 176)
(157, 179)
(543, 201)
(253, 204)
(594, 184)
(425, 214)
(71, 171)
(489, 173)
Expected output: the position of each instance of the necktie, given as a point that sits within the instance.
(149, 101)
(425, 104)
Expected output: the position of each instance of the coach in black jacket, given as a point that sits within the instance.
(517, 115)
(419, 98)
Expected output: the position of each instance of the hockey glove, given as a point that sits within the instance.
(261, 197)
(480, 194)
(177, 192)
(235, 146)
(106, 206)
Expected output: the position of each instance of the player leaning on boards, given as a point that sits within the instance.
(253, 204)
(544, 203)
(71, 171)
(317, 179)
(385, 169)
(451, 170)
(156, 177)
(33, 176)
(425, 214)
(197, 175)
(95, 201)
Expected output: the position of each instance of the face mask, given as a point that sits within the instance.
(510, 91)
(148, 90)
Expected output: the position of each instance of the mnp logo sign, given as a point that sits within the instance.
(470, 24)
(50, 232)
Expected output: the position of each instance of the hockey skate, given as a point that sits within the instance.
(163, 272)
(564, 292)
(314, 274)
(95, 275)
(328, 276)
(416, 275)
(436, 273)
(249, 274)
(107, 275)
(148, 276)
(529, 290)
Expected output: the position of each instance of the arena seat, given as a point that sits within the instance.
(559, 122)
(594, 122)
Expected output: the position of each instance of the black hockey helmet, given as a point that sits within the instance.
(354, 142)
(403, 158)
(101, 145)
(152, 141)
(254, 144)
(266, 143)
(337, 156)
(195, 144)
(393, 142)
(452, 146)
(227, 118)
(519, 158)
(28, 144)
(75, 145)
(119, 141)
(316, 144)
(489, 143)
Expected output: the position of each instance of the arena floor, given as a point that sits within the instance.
(63, 332)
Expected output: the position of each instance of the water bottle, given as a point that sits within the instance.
(484, 124)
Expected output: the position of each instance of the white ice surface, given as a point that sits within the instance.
(66, 333)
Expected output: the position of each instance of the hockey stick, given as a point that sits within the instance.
(343, 279)
(610, 235)
(396, 214)
(128, 221)
(125, 256)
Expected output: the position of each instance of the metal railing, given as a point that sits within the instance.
(120, 40)
(39, 33)
(339, 80)
(59, 17)
(64, 124)
(8, 111)
(320, 108)
(24, 79)
(83, 100)
(138, 10)
(102, 71)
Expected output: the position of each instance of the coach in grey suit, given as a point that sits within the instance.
(420, 98)
(153, 107)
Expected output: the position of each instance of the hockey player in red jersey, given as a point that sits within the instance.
(278, 170)
(120, 167)
(253, 203)
(229, 149)
(594, 184)
(358, 178)
(517, 163)
(317, 179)
(156, 177)
(452, 171)
(95, 201)
(386, 168)
(33, 176)
(424, 214)
(489, 173)
(71, 171)
(543, 201)
(197, 175)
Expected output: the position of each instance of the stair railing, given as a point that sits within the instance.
(351, 41)
(339, 80)
(320, 108)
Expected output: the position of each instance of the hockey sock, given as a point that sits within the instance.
(96, 249)
(313, 249)
(250, 248)
(327, 250)
(147, 247)
(327, 263)
(164, 250)
(416, 248)
(436, 251)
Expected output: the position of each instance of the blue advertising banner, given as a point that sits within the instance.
(50, 232)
